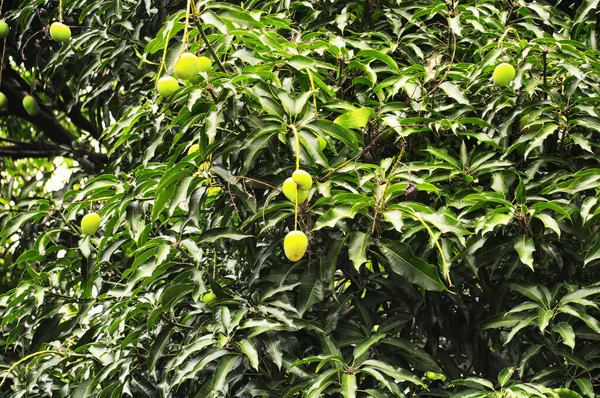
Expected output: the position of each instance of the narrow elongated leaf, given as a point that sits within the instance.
(349, 386)
(588, 319)
(586, 387)
(374, 54)
(311, 292)
(158, 346)
(355, 119)
(222, 233)
(225, 365)
(357, 248)
(505, 376)
(250, 351)
(402, 261)
(397, 374)
(593, 253)
(366, 344)
(522, 324)
(332, 216)
(580, 294)
(566, 332)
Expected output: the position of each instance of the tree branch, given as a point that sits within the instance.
(18, 152)
(44, 120)
(22, 150)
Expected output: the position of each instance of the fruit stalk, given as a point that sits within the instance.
(2, 59)
(212, 52)
(297, 141)
(27, 358)
(186, 27)
(163, 63)
(509, 29)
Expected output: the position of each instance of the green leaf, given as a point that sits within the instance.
(366, 344)
(395, 218)
(327, 128)
(320, 383)
(402, 261)
(588, 319)
(566, 393)
(584, 10)
(416, 356)
(544, 318)
(357, 248)
(525, 248)
(586, 387)
(300, 62)
(579, 294)
(531, 351)
(213, 235)
(517, 328)
(349, 386)
(225, 365)
(332, 216)
(549, 222)
(593, 252)
(505, 376)
(476, 383)
(540, 137)
(521, 193)
(158, 346)
(531, 291)
(355, 119)
(398, 374)
(378, 55)
(566, 333)
(248, 348)
(311, 292)
(454, 92)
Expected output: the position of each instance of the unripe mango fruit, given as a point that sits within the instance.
(4, 29)
(167, 85)
(322, 143)
(90, 223)
(3, 101)
(503, 74)
(295, 245)
(187, 66)
(291, 189)
(303, 179)
(30, 105)
(205, 64)
(208, 297)
(60, 32)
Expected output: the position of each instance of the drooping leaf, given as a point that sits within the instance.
(402, 261)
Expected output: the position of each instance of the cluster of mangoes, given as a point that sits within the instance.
(187, 67)
(296, 190)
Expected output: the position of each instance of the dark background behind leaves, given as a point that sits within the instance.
(456, 254)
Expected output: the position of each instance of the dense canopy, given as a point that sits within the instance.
(451, 222)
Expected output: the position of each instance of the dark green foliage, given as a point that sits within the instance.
(450, 252)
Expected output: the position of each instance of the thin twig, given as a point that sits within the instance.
(258, 182)
(437, 86)
(206, 41)
(387, 184)
(365, 149)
